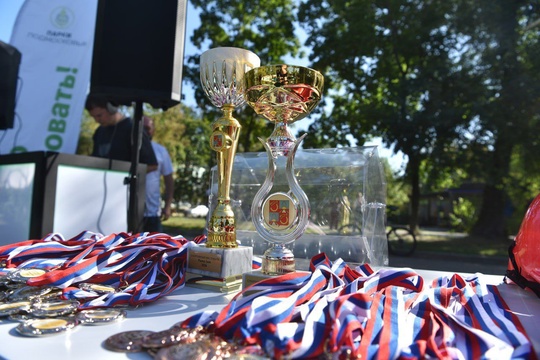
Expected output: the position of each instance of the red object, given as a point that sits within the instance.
(524, 263)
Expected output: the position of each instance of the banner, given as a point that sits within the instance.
(55, 38)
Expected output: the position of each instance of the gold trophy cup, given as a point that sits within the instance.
(222, 71)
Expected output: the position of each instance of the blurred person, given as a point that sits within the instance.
(153, 213)
(113, 138)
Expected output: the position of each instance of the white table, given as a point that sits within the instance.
(85, 342)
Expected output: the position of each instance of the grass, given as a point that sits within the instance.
(460, 243)
(429, 240)
(185, 226)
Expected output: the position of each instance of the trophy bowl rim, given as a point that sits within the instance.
(264, 67)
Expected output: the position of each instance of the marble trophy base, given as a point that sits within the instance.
(218, 269)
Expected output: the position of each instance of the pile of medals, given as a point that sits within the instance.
(40, 310)
(182, 344)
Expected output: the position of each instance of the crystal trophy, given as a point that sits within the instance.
(222, 71)
(282, 94)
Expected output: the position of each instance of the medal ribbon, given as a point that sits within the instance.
(389, 313)
(143, 266)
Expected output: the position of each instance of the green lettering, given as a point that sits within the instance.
(61, 110)
(53, 142)
(57, 126)
(68, 82)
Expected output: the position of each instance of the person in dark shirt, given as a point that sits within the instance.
(113, 138)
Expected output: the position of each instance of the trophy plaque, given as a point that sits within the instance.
(282, 94)
(222, 71)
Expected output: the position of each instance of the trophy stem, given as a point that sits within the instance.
(278, 260)
(224, 141)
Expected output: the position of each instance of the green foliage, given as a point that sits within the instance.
(186, 136)
(464, 215)
(88, 126)
(450, 84)
(396, 188)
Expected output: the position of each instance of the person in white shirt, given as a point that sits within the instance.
(153, 213)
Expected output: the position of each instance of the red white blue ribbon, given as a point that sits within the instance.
(361, 313)
(143, 266)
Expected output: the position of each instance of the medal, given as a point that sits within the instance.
(172, 336)
(195, 350)
(100, 316)
(127, 341)
(7, 309)
(45, 327)
(22, 275)
(97, 288)
(53, 308)
(20, 317)
(29, 293)
(206, 346)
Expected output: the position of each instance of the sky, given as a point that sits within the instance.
(10, 8)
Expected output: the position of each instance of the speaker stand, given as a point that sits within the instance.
(134, 222)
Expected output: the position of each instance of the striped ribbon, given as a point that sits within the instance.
(143, 266)
(361, 313)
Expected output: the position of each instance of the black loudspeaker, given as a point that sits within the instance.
(10, 59)
(139, 51)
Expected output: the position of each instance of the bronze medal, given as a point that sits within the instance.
(127, 341)
(172, 336)
(195, 350)
(161, 339)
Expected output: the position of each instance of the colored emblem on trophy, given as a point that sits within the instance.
(222, 71)
(283, 94)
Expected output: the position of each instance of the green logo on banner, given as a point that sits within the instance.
(62, 17)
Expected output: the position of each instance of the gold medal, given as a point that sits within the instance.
(45, 327)
(22, 275)
(29, 292)
(53, 308)
(98, 288)
(7, 309)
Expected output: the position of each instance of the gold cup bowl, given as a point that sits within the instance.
(283, 94)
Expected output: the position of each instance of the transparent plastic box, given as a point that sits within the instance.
(346, 189)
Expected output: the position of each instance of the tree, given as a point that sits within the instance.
(505, 49)
(186, 136)
(391, 72)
